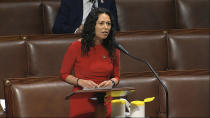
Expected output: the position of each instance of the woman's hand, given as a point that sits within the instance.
(87, 83)
(107, 83)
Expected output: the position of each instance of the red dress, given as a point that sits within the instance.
(97, 66)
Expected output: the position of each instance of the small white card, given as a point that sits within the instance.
(2, 103)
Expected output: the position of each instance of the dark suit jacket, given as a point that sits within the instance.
(70, 14)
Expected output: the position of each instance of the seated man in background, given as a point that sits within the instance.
(73, 13)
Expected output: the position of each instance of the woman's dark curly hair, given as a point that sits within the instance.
(88, 33)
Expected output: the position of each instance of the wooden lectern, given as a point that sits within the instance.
(100, 94)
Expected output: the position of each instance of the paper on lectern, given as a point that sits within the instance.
(97, 88)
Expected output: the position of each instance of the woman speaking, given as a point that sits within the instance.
(94, 60)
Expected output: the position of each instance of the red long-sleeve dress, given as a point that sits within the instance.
(97, 66)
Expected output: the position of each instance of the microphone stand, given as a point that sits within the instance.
(153, 71)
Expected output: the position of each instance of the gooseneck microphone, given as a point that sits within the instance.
(122, 49)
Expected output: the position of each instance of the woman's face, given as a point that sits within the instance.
(103, 26)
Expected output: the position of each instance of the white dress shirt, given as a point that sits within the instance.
(87, 6)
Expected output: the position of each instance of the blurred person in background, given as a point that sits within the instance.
(73, 13)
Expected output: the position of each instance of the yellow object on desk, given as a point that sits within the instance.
(137, 108)
(118, 108)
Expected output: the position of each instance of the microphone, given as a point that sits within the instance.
(121, 48)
